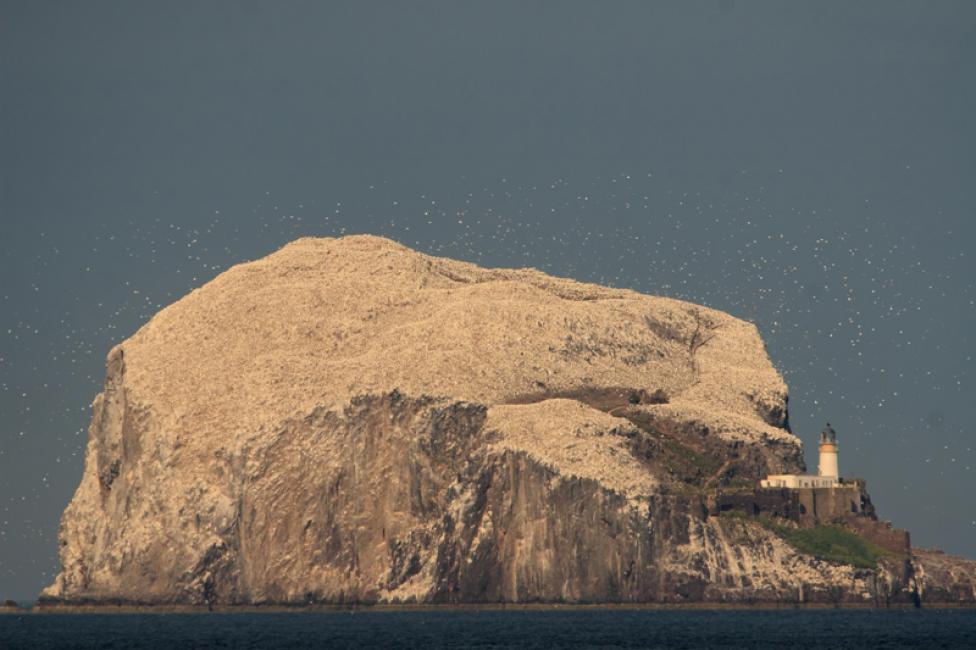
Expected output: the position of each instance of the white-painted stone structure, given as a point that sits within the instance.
(828, 473)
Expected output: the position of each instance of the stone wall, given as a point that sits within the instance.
(881, 533)
(783, 503)
(847, 505)
(827, 505)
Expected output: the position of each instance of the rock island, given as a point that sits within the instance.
(349, 421)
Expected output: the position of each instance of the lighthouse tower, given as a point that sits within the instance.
(828, 453)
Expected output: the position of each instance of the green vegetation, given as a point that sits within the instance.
(703, 464)
(830, 543)
(681, 460)
(739, 485)
(833, 544)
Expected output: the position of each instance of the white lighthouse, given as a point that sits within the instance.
(828, 475)
(828, 453)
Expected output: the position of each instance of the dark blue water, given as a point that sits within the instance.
(673, 629)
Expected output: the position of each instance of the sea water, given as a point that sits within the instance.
(822, 629)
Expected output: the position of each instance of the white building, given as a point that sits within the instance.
(828, 474)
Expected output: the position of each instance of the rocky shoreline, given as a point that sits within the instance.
(515, 607)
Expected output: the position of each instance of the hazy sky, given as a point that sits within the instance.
(808, 166)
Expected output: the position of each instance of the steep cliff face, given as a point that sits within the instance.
(944, 578)
(348, 420)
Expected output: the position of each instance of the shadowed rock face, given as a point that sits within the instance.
(944, 578)
(348, 420)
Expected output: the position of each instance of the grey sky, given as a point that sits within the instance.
(808, 166)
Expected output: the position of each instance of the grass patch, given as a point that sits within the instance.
(827, 542)
(833, 544)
